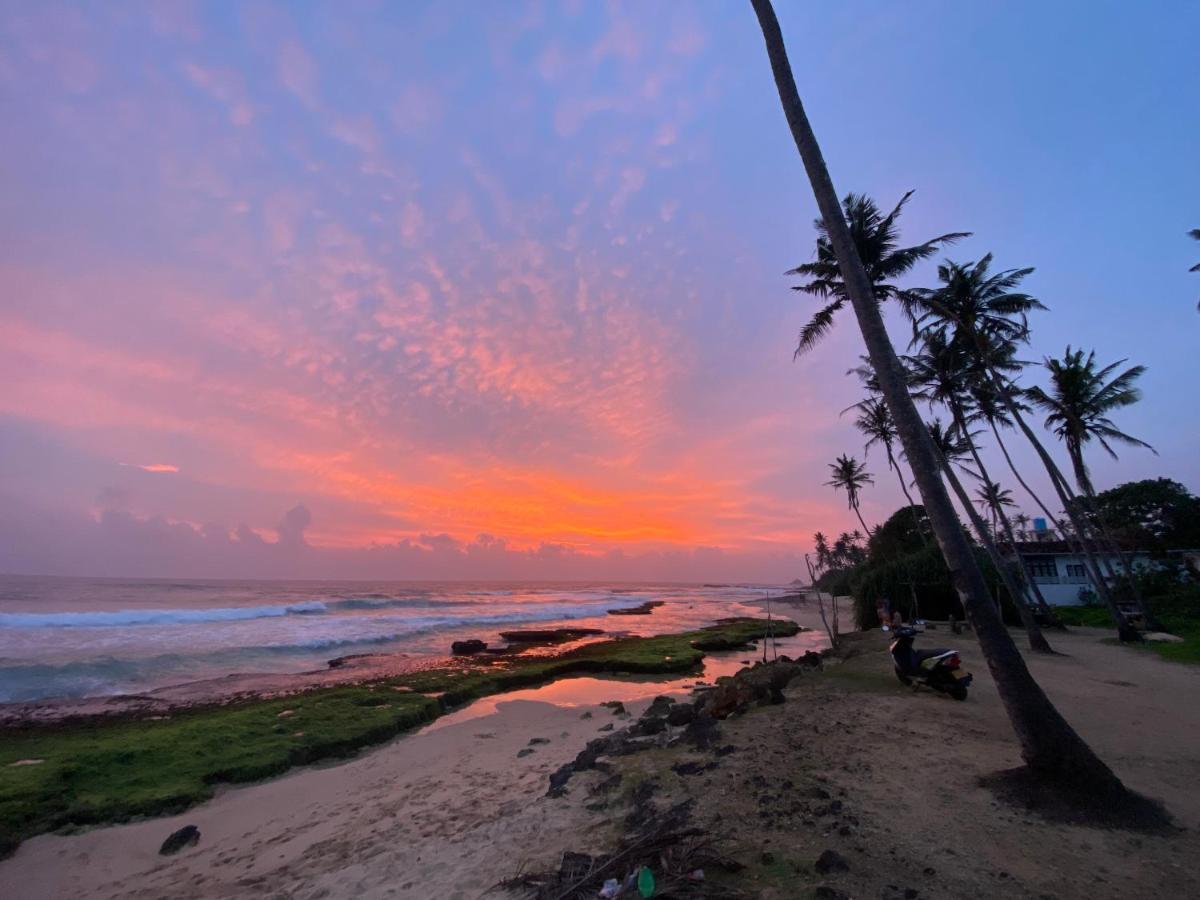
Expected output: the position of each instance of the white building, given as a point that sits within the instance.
(1061, 573)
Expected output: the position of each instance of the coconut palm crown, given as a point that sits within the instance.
(877, 238)
(1078, 404)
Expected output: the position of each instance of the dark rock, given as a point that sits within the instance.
(616, 706)
(691, 768)
(468, 648)
(184, 837)
(659, 706)
(608, 727)
(647, 726)
(559, 779)
(681, 714)
(548, 635)
(831, 861)
(701, 732)
(525, 752)
(643, 609)
(825, 892)
(535, 741)
(586, 715)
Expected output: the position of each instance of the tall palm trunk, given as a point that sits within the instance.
(893, 464)
(866, 530)
(1075, 451)
(1037, 640)
(1049, 745)
(1067, 538)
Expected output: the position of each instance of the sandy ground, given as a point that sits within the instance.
(895, 774)
(450, 811)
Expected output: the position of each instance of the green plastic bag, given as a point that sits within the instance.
(645, 882)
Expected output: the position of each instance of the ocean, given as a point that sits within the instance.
(77, 637)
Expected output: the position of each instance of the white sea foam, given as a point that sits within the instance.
(128, 617)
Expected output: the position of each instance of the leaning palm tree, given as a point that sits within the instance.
(851, 476)
(877, 238)
(991, 497)
(1078, 404)
(1077, 407)
(1049, 745)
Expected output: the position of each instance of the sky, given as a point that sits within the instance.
(463, 290)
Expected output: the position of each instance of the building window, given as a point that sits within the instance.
(1042, 568)
(1074, 571)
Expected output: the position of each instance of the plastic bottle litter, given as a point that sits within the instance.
(610, 889)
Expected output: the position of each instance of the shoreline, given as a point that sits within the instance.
(145, 765)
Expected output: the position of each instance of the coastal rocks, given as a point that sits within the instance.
(521, 754)
(184, 837)
(681, 714)
(831, 861)
(643, 609)
(761, 684)
(548, 635)
(468, 647)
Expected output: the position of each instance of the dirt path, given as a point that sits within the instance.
(859, 764)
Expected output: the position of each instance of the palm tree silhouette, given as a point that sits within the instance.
(877, 238)
(849, 475)
(1079, 401)
(1049, 745)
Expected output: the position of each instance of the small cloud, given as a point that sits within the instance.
(152, 467)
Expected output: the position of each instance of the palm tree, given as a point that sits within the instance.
(850, 476)
(875, 422)
(1078, 404)
(1077, 408)
(986, 316)
(1049, 745)
(877, 238)
(991, 497)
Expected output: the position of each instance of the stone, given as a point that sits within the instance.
(643, 609)
(681, 714)
(524, 752)
(535, 741)
(468, 647)
(548, 635)
(608, 727)
(186, 836)
(831, 861)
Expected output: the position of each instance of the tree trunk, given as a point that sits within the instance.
(904, 490)
(866, 530)
(1045, 510)
(1049, 745)
(1059, 483)
(1089, 492)
(1033, 631)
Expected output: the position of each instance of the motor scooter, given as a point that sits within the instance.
(938, 669)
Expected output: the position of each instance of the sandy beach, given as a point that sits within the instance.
(461, 805)
(448, 811)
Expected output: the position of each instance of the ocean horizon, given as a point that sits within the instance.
(74, 637)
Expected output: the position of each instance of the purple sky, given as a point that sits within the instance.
(472, 290)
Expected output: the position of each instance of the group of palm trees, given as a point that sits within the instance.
(963, 363)
(980, 318)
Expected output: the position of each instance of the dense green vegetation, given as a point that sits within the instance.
(110, 771)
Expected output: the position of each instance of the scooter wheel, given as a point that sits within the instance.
(904, 679)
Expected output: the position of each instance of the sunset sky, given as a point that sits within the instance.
(493, 290)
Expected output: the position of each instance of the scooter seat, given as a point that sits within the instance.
(923, 656)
